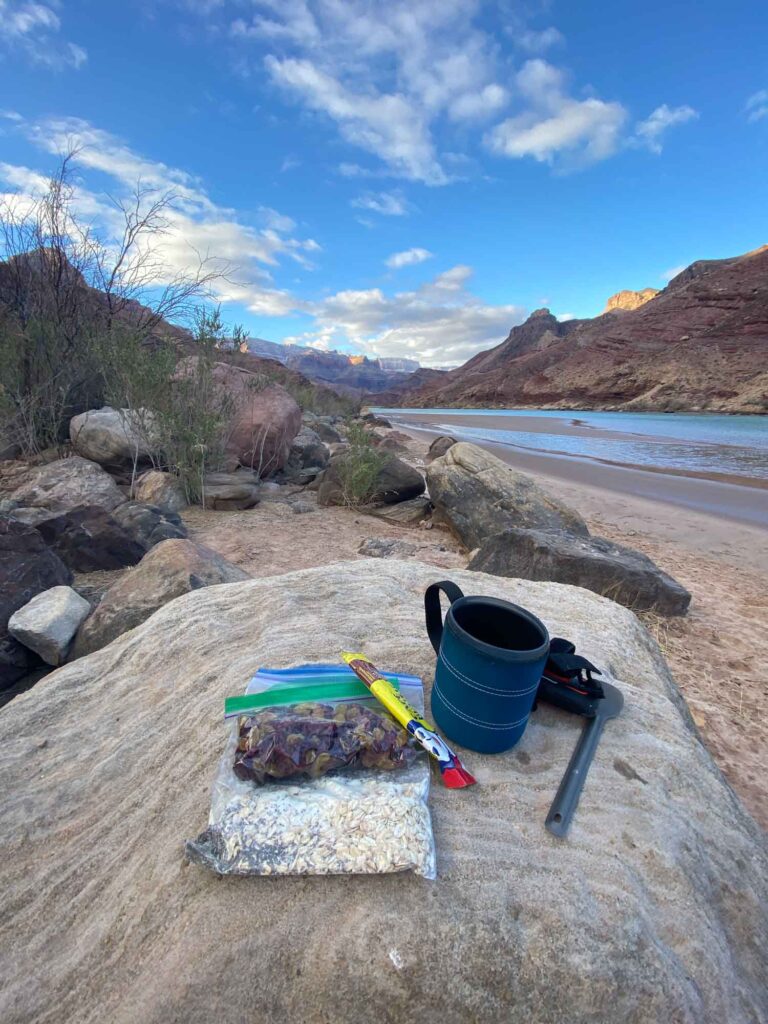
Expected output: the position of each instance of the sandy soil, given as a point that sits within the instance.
(272, 539)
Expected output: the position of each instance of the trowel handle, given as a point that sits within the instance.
(560, 813)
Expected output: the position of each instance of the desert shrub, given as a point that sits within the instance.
(359, 466)
(68, 298)
(177, 405)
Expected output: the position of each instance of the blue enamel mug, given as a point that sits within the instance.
(490, 657)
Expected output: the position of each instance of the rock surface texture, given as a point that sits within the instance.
(652, 910)
(112, 436)
(607, 568)
(65, 484)
(479, 496)
(47, 623)
(27, 568)
(172, 568)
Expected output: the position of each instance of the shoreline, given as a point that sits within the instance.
(735, 500)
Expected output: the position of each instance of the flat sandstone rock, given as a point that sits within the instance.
(652, 910)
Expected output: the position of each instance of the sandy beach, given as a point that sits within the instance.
(708, 535)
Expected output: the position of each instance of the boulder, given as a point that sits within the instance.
(112, 436)
(618, 572)
(652, 910)
(395, 481)
(264, 426)
(67, 484)
(16, 662)
(327, 432)
(230, 491)
(308, 456)
(172, 568)
(148, 524)
(265, 419)
(440, 446)
(386, 547)
(374, 420)
(405, 513)
(47, 623)
(479, 495)
(162, 490)
(88, 539)
(27, 568)
(394, 441)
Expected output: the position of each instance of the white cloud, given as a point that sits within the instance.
(383, 70)
(408, 258)
(477, 105)
(650, 131)
(757, 105)
(439, 323)
(387, 125)
(538, 42)
(556, 126)
(33, 29)
(276, 221)
(388, 204)
(195, 228)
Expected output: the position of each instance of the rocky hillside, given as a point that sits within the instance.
(630, 300)
(336, 369)
(700, 344)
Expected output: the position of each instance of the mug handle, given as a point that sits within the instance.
(434, 612)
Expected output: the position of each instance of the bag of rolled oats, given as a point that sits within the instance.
(317, 778)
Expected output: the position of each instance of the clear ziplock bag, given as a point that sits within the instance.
(270, 816)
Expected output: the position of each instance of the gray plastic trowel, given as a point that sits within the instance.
(563, 806)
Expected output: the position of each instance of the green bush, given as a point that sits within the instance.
(177, 404)
(359, 466)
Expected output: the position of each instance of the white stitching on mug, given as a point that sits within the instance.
(480, 687)
(475, 721)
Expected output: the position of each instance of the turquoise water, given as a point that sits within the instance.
(699, 443)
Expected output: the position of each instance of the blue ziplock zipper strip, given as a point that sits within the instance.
(299, 671)
(339, 682)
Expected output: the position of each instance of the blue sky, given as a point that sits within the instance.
(405, 177)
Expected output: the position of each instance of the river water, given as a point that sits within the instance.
(711, 445)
